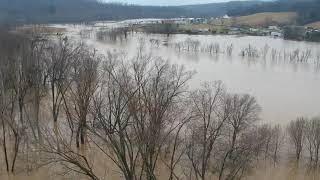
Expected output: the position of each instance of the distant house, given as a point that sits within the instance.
(276, 34)
(253, 30)
(197, 20)
(273, 28)
(234, 31)
(204, 30)
(168, 21)
(226, 17)
(180, 21)
(195, 31)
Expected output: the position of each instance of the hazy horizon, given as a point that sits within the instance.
(168, 2)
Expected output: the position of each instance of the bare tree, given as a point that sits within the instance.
(240, 147)
(84, 84)
(8, 117)
(16, 66)
(59, 151)
(60, 56)
(135, 114)
(296, 133)
(112, 127)
(3, 108)
(210, 113)
(73, 82)
(276, 142)
(312, 131)
(37, 78)
(153, 107)
(273, 137)
(178, 149)
(265, 130)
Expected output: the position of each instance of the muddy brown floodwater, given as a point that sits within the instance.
(284, 76)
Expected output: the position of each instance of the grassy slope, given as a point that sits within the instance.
(261, 19)
(314, 25)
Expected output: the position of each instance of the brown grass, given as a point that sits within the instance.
(41, 29)
(314, 25)
(261, 19)
(196, 26)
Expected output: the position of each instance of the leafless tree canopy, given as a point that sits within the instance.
(296, 132)
(64, 104)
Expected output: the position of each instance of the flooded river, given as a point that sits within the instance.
(283, 75)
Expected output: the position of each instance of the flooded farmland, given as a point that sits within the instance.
(119, 88)
(283, 75)
(159, 90)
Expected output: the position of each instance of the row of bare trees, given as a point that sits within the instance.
(17, 80)
(295, 56)
(304, 135)
(64, 104)
(112, 35)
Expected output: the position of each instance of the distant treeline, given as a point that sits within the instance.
(60, 11)
(14, 12)
(308, 11)
(51, 11)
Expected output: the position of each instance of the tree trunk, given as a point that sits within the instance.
(56, 132)
(37, 112)
(83, 131)
(5, 145)
(78, 135)
(16, 150)
(21, 112)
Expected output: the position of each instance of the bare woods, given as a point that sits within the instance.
(67, 108)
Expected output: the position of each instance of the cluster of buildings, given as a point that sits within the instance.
(273, 31)
(286, 32)
(205, 26)
(166, 21)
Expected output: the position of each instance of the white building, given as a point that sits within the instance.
(226, 17)
(276, 34)
(273, 28)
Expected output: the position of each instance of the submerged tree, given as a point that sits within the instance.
(134, 112)
(15, 68)
(154, 106)
(312, 136)
(241, 143)
(210, 112)
(84, 84)
(296, 133)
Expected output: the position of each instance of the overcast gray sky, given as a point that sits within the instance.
(166, 2)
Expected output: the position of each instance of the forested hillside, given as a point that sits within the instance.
(43, 11)
(51, 11)
(59, 11)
